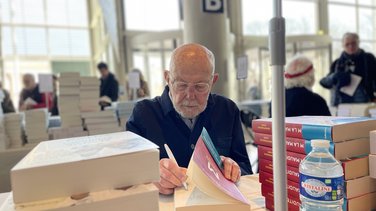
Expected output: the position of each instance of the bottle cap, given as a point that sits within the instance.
(320, 143)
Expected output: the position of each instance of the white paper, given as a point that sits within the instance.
(45, 83)
(242, 67)
(134, 80)
(350, 89)
(29, 101)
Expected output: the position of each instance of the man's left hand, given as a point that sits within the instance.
(231, 169)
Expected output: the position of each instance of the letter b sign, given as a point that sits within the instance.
(213, 6)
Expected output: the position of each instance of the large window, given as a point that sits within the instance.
(352, 16)
(36, 33)
(257, 14)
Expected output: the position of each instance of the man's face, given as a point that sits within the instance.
(190, 85)
(28, 82)
(104, 72)
(350, 45)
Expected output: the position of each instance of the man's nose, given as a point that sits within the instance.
(190, 92)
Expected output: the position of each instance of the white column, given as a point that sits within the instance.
(209, 28)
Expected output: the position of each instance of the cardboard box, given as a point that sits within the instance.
(65, 167)
(133, 198)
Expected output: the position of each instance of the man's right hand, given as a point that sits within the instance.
(171, 176)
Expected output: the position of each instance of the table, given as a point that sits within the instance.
(248, 185)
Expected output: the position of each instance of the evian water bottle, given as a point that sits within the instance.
(321, 179)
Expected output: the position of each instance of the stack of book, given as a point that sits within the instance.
(124, 110)
(349, 138)
(101, 122)
(372, 156)
(104, 172)
(89, 94)
(14, 129)
(36, 124)
(4, 141)
(372, 112)
(70, 132)
(69, 99)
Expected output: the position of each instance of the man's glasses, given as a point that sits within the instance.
(181, 86)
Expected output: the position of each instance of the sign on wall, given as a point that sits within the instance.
(213, 6)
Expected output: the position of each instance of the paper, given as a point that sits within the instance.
(30, 101)
(242, 67)
(134, 80)
(45, 83)
(350, 89)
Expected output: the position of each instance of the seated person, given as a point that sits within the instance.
(30, 97)
(186, 106)
(300, 100)
(109, 87)
(6, 101)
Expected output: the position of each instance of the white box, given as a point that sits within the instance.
(133, 198)
(372, 140)
(84, 164)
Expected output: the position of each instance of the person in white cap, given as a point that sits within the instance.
(299, 79)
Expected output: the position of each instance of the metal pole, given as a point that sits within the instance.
(278, 60)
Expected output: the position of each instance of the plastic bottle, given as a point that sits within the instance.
(321, 179)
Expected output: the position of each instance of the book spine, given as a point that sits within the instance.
(293, 204)
(292, 144)
(302, 131)
(267, 166)
(293, 159)
(267, 179)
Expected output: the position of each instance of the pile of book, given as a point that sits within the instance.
(123, 110)
(349, 138)
(89, 94)
(14, 129)
(36, 124)
(372, 112)
(101, 122)
(104, 172)
(4, 141)
(372, 156)
(69, 99)
(70, 132)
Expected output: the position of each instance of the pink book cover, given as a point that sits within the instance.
(206, 163)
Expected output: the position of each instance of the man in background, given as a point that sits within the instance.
(30, 97)
(6, 103)
(109, 88)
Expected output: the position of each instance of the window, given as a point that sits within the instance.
(257, 14)
(151, 15)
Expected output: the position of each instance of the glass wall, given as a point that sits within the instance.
(38, 32)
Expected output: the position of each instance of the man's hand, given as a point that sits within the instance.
(171, 176)
(231, 169)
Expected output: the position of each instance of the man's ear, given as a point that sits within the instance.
(215, 77)
(167, 76)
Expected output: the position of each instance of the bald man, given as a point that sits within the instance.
(186, 106)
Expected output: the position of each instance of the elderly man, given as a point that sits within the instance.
(185, 107)
(30, 97)
(353, 62)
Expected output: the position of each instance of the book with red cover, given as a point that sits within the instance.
(293, 159)
(293, 204)
(331, 128)
(267, 166)
(266, 179)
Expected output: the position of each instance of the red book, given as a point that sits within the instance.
(331, 128)
(266, 179)
(293, 204)
(267, 166)
(293, 159)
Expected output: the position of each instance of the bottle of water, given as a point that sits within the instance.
(321, 179)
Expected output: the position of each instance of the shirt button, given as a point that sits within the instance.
(192, 146)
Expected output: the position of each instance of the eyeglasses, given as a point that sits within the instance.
(181, 86)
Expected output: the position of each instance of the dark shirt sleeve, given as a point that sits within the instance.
(329, 80)
(134, 123)
(238, 149)
(114, 90)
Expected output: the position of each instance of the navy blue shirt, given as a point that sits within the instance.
(156, 120)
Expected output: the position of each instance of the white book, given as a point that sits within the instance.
(65, 167)
(351, 88)
(105, 113)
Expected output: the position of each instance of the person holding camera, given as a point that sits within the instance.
(353, 64)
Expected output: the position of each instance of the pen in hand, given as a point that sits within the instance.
(171, 156)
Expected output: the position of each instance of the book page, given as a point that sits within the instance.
(350, 89)
(30, 101)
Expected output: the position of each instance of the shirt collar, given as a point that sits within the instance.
(166, 102)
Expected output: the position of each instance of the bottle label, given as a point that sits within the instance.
(323, 189)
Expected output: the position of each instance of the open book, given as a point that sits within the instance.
(208, 189)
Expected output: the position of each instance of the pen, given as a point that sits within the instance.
(171, 156)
